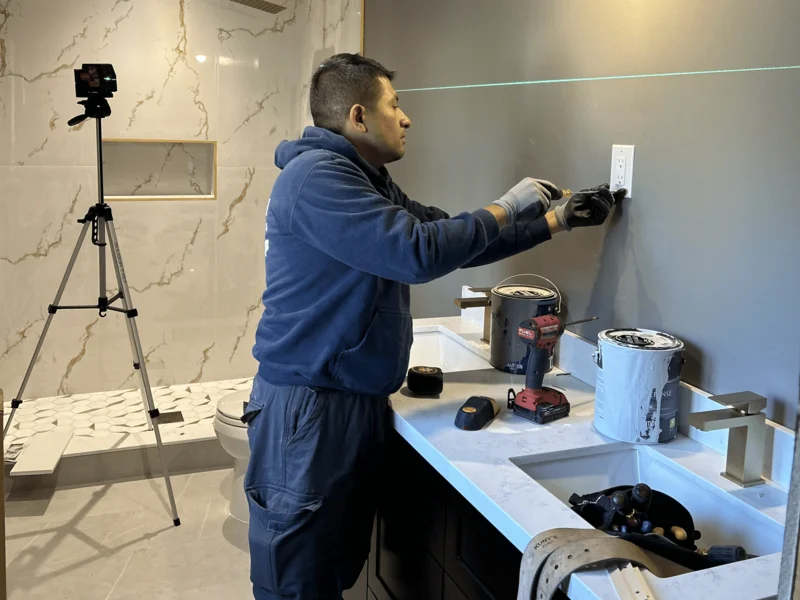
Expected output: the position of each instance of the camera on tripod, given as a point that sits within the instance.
(95, 79)
(95, 82)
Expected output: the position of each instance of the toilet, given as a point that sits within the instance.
(232, 434)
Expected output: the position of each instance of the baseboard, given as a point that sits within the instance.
(127, 464)
(574, 355)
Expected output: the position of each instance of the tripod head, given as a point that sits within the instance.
(96, 107)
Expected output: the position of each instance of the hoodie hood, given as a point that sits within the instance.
(317, 138)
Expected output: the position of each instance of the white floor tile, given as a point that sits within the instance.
(117, 542)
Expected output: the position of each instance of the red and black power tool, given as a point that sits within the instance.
(537, 403)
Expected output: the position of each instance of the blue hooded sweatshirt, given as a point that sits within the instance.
(343, 243)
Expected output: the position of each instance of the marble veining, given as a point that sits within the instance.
(108, 30)
(81, 35)
(45, 245)
(259, 107)
(226, 225)
(211, 70)
(147, 98)
(148, 355)
(280, 25)
(84, 341)
(253, 309)
(202, 362)
(168, 275)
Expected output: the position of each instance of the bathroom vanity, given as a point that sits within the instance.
(462, 506)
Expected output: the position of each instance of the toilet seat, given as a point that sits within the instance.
(230, 409)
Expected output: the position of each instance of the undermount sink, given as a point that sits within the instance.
(439, 347)
(720, 516)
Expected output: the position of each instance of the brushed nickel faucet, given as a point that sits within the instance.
(476, 302)
(746, 438)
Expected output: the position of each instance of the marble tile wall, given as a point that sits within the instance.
(186, 69)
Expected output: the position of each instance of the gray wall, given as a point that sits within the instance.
(708, 248)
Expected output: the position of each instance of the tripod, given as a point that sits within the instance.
(101, 220)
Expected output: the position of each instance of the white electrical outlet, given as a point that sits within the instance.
(622, 168)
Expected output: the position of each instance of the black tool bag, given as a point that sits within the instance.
(660, 511)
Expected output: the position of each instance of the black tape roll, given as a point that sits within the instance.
(425, 381)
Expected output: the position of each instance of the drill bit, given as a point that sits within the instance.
(579, 321)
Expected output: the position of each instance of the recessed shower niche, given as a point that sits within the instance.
(159, 169)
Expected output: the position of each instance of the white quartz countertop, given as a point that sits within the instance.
(478, 465)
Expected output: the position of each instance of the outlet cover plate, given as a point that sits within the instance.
(622, 168)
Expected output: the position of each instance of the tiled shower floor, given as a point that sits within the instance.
(107, 419)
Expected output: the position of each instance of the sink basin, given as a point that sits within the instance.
(720, 516)
(435, 347)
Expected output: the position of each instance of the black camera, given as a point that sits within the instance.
(95, 80)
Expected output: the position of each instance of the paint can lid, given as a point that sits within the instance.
(531, 292)
(640, 339)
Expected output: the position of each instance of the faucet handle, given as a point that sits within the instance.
(749, 402)
(476, 302)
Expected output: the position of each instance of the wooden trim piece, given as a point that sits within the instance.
(2, 511)
(159, 198)
(215, 171)
(158, 141)
(363, 14)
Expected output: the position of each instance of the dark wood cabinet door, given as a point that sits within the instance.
(415, 494)
(408, 536)
(451, 591)
(399, 569)
(482, 563)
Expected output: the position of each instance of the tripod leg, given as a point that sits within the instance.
(102, 293)
(138, 358)
(51, 313)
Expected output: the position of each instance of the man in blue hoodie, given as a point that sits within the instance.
(343, 244)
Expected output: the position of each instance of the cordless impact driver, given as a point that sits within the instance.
(537, 403)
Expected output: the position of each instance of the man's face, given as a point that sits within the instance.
(386, 125)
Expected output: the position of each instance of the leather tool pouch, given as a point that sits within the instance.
(554, 555)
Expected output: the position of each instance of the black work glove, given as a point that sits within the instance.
(589, 207)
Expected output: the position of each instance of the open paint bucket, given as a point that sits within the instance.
(637, 385)
(512, 304)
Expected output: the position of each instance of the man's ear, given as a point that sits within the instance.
(357, 118)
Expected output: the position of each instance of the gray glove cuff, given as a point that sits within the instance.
(561, 219)
(507, 202)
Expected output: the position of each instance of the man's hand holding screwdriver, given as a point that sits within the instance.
(531, 198)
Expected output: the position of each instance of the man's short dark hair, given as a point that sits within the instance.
(342, 81)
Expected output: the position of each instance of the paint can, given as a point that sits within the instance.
(637, 385)
(512, 304)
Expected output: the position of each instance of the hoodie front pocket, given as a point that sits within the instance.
(377, 365)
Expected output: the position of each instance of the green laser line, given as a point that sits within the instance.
(603, 78)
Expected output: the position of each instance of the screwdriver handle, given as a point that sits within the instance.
(724, 555)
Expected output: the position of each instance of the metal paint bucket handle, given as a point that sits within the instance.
(558, 292)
